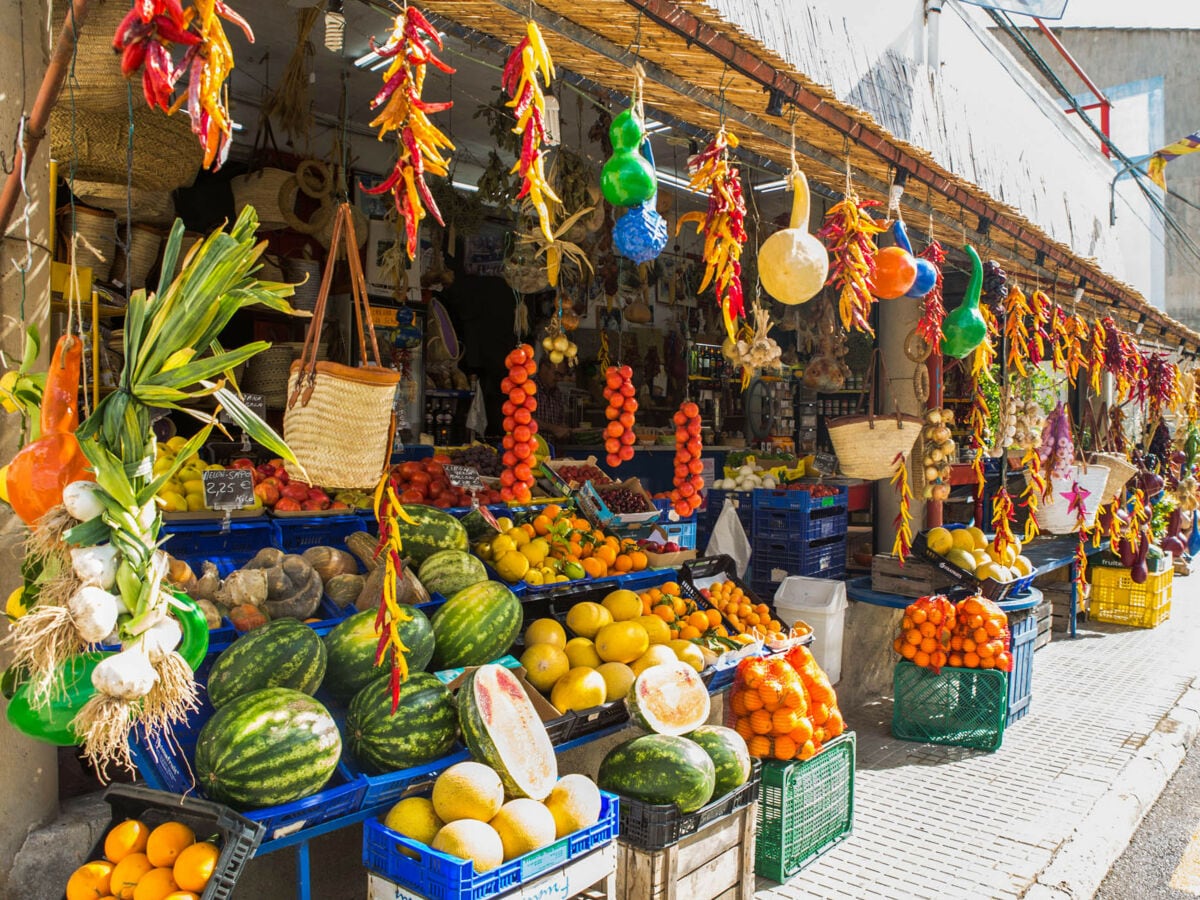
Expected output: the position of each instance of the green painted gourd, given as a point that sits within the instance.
(792, 263)
(628, 178)
(964, 328)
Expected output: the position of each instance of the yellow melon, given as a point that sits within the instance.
(545, 631)
(618, 679)
(544, 664)
(962, 539)
(687, 652)
(524, 825)
(580, 688)
(473, 840)
(623, 605)
(574, 803)
(582, 652)
(939, 540)
(587, 618)
(655, 656)
(467, 790)
(657, 630)
(414, 817)
(621, 642)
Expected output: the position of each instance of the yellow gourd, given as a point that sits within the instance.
(792, 263)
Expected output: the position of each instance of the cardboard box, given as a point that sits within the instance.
(591, 502)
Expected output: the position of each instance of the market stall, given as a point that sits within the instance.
(392, 470)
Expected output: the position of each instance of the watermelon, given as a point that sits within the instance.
(727, 749)
(351, 649)
(668, 699)
(430, 530)
(660, 769)
(267, 747)
(449, 571)
(283, 653)
(476, 625)
(501, 727)
(478, 528)
(423, 728)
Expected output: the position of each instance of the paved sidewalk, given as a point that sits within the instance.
(946, 822)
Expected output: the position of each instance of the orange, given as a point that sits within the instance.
(127, 873)
(819, 714)
(679, 605)
(605, 554)
(912, 637)
(155, 885)
(689, 632)
(927, 629)
(742, 727)
(670, 587)
(541, 524)
(90, 881)
(623, 563)
(760, 721)
(785, 747)
(970, 660)
(698, 620)
(594, 568)
(803, 732)
(793, 697)
(956, 660)
(551, 511)
(921, 658)
(759, 745)
(928, 645)
(665, 612)
(195, 866)
(125, 838)
(167, 841)
(918, 616)
(639, 560)
(714, 617)
(752, 700)
(182, 895)
(807, 750)
(771, 692)
(783, 721)
(737, 703)
(835, 725)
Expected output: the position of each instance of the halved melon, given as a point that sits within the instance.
(669, 699)
(502, 728)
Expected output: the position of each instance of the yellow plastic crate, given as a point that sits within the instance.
(1116, 599)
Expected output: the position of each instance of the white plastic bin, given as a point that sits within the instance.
(821, 603)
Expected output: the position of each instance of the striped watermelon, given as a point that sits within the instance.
(423, 728)
(727, 749)
(659, 768)
(449, 571)
(431, 530)
(351, 651)
(283, 653)
(501, 728)
(476, 625)
(267, 747)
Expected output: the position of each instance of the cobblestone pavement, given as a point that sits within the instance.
(950, 823)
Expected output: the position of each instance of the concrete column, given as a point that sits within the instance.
(30, 795)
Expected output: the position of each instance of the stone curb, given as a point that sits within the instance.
(1080, 863)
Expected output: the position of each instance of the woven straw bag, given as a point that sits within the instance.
(166, 155)
(1120, 470)
(260, 189)
(149, 207)
(97, 245)
(98, 84)
(1056, 516)
(340, 419)
(866, 445)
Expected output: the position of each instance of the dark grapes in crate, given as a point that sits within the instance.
(622, 501)
(577, 475)
(482, 458)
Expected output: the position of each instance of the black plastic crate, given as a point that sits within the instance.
(239, 836)
(655, 826)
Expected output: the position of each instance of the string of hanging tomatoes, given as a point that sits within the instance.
(520, 427)
(689, 480)
(619, 436)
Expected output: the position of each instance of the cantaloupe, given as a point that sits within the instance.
(414, 817)
(524, 825)
(468, 790)
(473, 840)
(574, 803)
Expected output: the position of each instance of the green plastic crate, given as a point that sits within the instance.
(804, 808)
(962, 707)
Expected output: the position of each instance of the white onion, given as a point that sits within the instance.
(160, 639)
(127, 675)
(80, 500)
(95, 565)
(94, 612)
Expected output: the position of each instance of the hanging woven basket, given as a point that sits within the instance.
(148, 207)
(98, 85)
(1056, 516)
(93, 146)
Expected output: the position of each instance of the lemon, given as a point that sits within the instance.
(173, 501)
(519, 536)
(582, 652)
(587, 618)
(580, 688)
(512, 566)
(177, 443)
(657, 630)
(618, 679)
(533, 576)
(504, 524)
(977, 536)
(502, 544)
(687, 652)
(962, 540)
(545, 631)
(939, 540)
(655, 656)
(623, 605)
(621, 642)
(536, 551)
(560, 578)
(544, 665)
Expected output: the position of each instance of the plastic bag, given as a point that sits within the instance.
(477, 415)
(981, 637)
(729, 537)
(823, 711)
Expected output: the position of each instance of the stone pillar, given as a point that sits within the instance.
(30, 797)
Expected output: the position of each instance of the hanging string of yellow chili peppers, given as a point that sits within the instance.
(977, 422)
(849, 233)
(1035, 487)
(723, 225)
(1096, 351)
(1042, 312)
(983, 358)
(388, 512)
(406, 115)
(1002, 519)
(1016, 331)
(529, 59)
(209, 65)
(902, 546)
(1076, 356)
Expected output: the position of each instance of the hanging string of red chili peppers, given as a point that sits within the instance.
(1042, 312)
(1016, 331)
(933, 309)
(406, 115)
(1002, 519)
(1097, 349)
(1160, 389)
(977, 423)
(529, 60)
(849, 233)
(1077, 503)
(902, 546)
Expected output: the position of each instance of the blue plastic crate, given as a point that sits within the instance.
(797, 557)
(792, 525)
(229, 550)
(413, 452)
(683, 533)
(295, 534)
(799, 500)
(715, 501)
(440, 876)
(1022, 630)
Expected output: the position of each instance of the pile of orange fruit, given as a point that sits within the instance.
(746, 616)
(140, 863)
(573, 539)
(973, 635)
(520, 426)
(784, 706)
(684, 617)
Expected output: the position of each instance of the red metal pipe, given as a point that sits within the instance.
(39, 115)
(1102, 101)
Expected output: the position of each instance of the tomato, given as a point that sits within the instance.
(695, 447)
(517, 396)
(506, 478)
(626, 452)
(442, 503)
(408, 469)
(522, 450)
(438, 486)
(628, 390)
(522, 472)
(612, 445)
(412, 495)
(521, 434)
(509, 459)
(612, 412)
(517, 356)
(434, 469)
(630, 405)
(517, 375)
(613, 459)
(507, 442)
(506, 385)
(626, 372)
(507, 409)
(628, 438)
(442, 458)
(419, 478)
(531, 403)
(522, 417)
(508, 424)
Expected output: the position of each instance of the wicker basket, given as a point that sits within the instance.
(260, 189)
(305, 274)
(166, 155)
(98, 84)
(267, 374)
(1057, 517)
(144, 243)
(867, 445)
(97, 245)
(149, 207)
(1120, 470)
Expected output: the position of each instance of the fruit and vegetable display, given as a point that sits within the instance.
(971, 634)
(425, 483)
(520, 426)
(619, 436)
(575, 475)
(167, 862)
(746, 617)
(784, 706)
(968, 549)
(184, 490)
(276, 490)
(688, 480)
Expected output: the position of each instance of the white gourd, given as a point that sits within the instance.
(792, 263)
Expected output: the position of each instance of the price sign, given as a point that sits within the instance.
(464, 477)
(230, 489)
(256, 403)
(825, 464)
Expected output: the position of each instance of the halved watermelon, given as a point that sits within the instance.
(502, 728)
(669, 699)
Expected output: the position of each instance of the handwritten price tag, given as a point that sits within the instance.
(256, 403)
(825, 464)
(464, 477)
(230, 489)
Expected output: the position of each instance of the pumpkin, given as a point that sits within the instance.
(793, 264)
(895, 271)
(927, 272)
(964, 328)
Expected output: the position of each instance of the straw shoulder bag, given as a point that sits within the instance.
(866, 445)
(340, 420)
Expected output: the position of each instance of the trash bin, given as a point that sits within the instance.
(822, 604)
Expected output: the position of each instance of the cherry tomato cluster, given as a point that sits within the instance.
(520, 428)
(688, 481)
(622, 404)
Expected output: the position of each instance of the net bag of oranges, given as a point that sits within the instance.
(926, 632)
(784, 706)
(972, 635)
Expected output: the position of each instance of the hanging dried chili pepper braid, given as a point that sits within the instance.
(903, 521)
(1060, 340)
(1016, 331)
(1077, 498)
(1002, 519)
(1042, 312)
(977, 422)
(1077, 360)
(849, 233)
(144, 39)
(405, 114)
(387, 511)
(983, 358)
(529, 60)
(1035, 487)
(723, 225)
(933, 309)
(1098, 353)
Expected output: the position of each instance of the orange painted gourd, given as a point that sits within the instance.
(895, 272)
(792, 263)
(39, 472)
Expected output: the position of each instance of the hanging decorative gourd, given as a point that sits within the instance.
(628, 178)
(927, 273)
(641, 234)
(792, 263)
(895, 268)
(964, 328)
